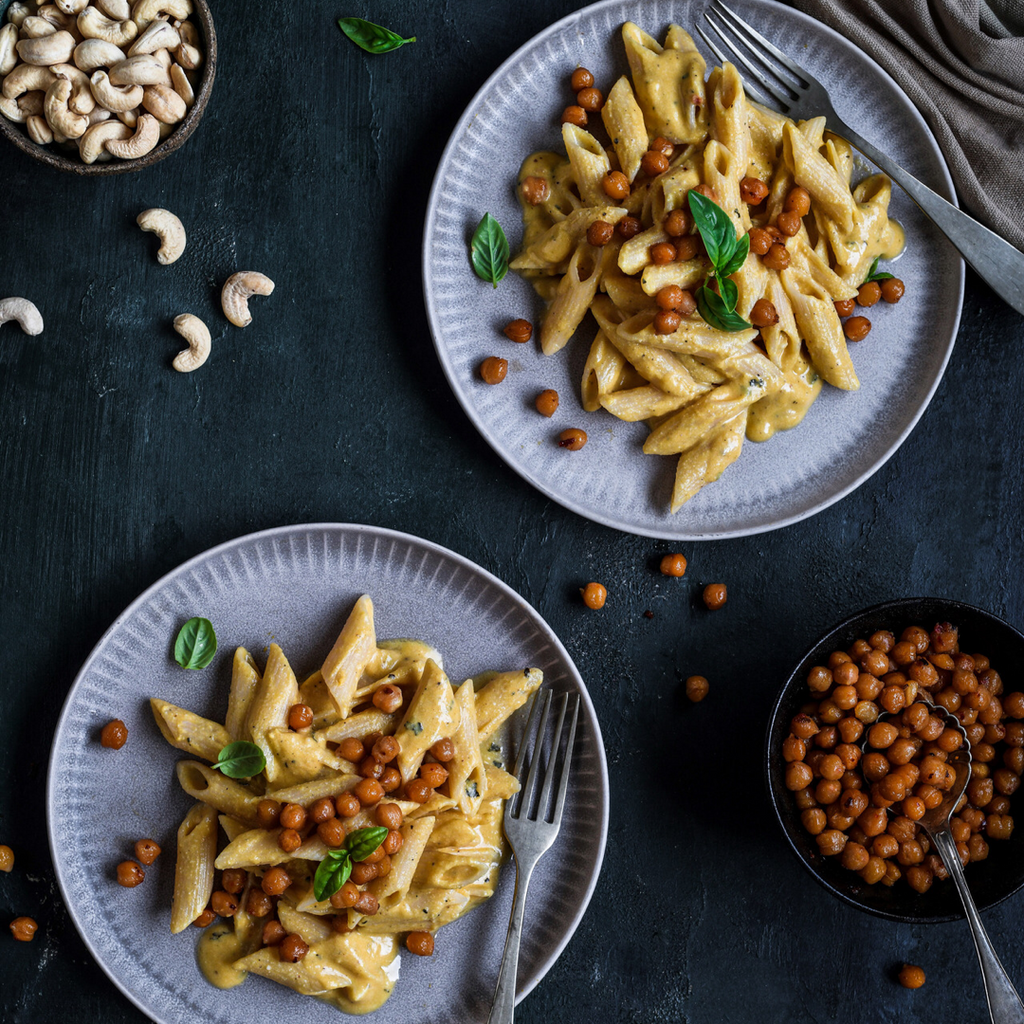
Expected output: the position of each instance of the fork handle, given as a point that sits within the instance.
(998, 263)
(503, 1008)
(1004, 1005)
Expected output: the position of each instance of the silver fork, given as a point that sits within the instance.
(997, 262)
(531, 827)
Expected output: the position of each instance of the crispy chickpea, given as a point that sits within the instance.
(760, 241)
(874, 870)
(273, 933)
(798, 201)
(233, 880)
(370, 767)
(803, 726)
(615, 185)
(535, 190)
(687, 247)
(714, 596)
(114, 736)
(129, 874)
(292, 949)
(629, 227)
(347, 805)
(844, 307)
(300, 716)
(258, 903)
(293, 816)
(831, 842)
(667, 321)
(520, 331)
(146, 851)
(388, 816)
(857, 328)
(23, 929)
(854, 857)
(590, 99)
(7, 858)
(882, 735)
(368, 792)
(594, 595)
(669, 297)
(493, 370)
(576, 115)
(764, 314)
(433, 775)
(677, 223)
(777, 257)
(289, 840)
(547, 402)
(352, 749)
(390, 780)
(788, 223)
(600, 233)
(697, 688)
(662, 145)
(205, 919)
(275, 881)
(892, 289)
(346, 896)
(662, 253)
(386, 749)
(392, 842)
(331, 832)
(581, 79)
(869, 293)
(443, 750)
(322, 810)
(813, 820)
(999, 826)
(798, 775)
(753, 191)
(572, 439)
(420, 943)
(224, 904)
(417, 791)
(367, 904)
(654, 163)
(673, 565)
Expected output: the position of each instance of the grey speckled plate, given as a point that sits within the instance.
(294, 586)
(844, 438)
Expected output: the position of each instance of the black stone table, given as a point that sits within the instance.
(312, 164)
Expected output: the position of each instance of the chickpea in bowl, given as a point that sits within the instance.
(855, 756)
(104, 86)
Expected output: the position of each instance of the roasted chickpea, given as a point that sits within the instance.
(845, 307)
(24, 929)
(390, 780)
(275, 881)
(777, 257)
(753, 191)
(581, 79)
(331, 832)
(129, 874)
(300, 716)
(662, 145)
(493, 370)
(788, 223)
(869, 293)
(292, 949)
(224, 904)
(662, 253)
(572, 439)
(420, 943)
(813, 820)
(831, 842)
(547, 402)
(764, 314)
(258, 903)
(7, 858)
(798, 201)
(205, 919)
(433, 775)
(347, 805)
(590, 99)
(677, 222)
(600, 233)
(146, 851)
(594, 595)
(687, 247)
(714, 596)
(367, 904)
(576, 115)
(892, 289)
(417, 791)
(854, 857)
(392, 842)
(322, 810)
(113, 736)
(386, 749)
(520, 331)
(673, 565)
(289, 840)
(654, 163)
(346, 896)
(857, 328)
(352, 749)
(293, 816)
(760, 241)
(388, 816)
(233, 881)
(368, 792)
(798, 775)
(697, 688)
(628, 227)
(615, 185)
(535, 190)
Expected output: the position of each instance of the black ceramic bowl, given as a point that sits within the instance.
(991, 880)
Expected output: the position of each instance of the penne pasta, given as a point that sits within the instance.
(193, 870)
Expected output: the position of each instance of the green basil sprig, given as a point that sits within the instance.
(240, 760)
(488, 251)
(196, 644)
(336, 867)
(874, 274)
(370, 37)
(727, 253)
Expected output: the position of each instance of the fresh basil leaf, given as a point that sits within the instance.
(713, 310)
(240, 760)
(737, 259)
(331, 874)
(488, 251)
(363, 841)
(729, 292)
(715, 229)
(874, 274)
(196, 644)
(370, 37)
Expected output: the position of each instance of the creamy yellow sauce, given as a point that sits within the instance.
(218, 948)
(786, 408)
(372, 962)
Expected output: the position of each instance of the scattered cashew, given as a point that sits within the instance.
(8, 53)
(164, 103)
(197, 334)
(119, 10)
(142, 69)
(59, 115)
(115, 98)
(94, 25)
(91, 54)
(46, 50)
(159, 35)
(24, 312)
(146, 11)
(234, 296)
(147, 135)
(38, 130)
(92, 145)
(170, 231)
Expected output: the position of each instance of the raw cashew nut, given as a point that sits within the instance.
(82, 100)
(99, 114)
(129, 117)
(114, 98)
(12, 111)
(56, 17)
(145, 139)
(118, 10)
(27, 78)
(34, 27)
(164, 103)
(17, 13)
(38, 130)
(142, 69)
(59, 116)
(8, 53)
(159, 35)
(71, 6)
(47, 50)
(146, 11)
(24, 312)
(92, 145)
(197, 334)
(169, 229)
(234, 296)
(32, 104)
(182, 86)
(94, 25)
(91, 54)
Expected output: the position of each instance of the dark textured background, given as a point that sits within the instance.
(312, 165)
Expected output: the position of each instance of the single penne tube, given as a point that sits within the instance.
(637, 404)
(405, 660)
(782, 340)
(812, 171)
(245, 681)
(635, 254)
(314, 693)
(700, 372)
(575, 293)
(722, 172)
(669, 190)
(355, 646)
(394, 887)
(735, 355)
(624, 291)
(232, 827)
(302, 757)
(432, 715)
(421, 910)
(186, 731)
(765, 137)
(278, 691)
(683, 274)
(359, 724)
(467, 782)
(750, 281)
(204, 783)
(311, 928)
(589, 162)
(803, 257)
(708, 459)
(315, 973)
(193, 871)
(624, 121)
(260, 847)
(602, 372)
(552, 250)
(307, 793)
(504, 693)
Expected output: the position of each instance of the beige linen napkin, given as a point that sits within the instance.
(962, 64)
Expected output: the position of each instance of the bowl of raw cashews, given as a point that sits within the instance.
(104, 86)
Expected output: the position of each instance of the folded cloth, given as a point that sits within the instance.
(961, 62)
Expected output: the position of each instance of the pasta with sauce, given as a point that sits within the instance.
(700, 390)
(443, 808)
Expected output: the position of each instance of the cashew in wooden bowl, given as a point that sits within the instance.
(68, 67)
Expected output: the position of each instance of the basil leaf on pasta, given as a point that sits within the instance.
(196, 644)
(874, 274)
(240, 760)
(716, 230)
(736, 259)
(715, 313)
(331, 874)
(488, 251)
(370, 37)
(363, 841)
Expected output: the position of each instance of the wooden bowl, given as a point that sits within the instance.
(54, 158)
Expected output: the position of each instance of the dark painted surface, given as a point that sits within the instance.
(312, 165)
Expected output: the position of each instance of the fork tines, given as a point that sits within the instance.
(541, 746)
(730, 26)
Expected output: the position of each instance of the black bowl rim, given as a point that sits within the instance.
(895, 606)
(173, 141)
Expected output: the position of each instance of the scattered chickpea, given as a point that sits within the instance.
(575, 115)
(572, 439)
(273, 933)
(687, 246)
(292, 949)
(600, 232)
(114, 735)
(591, 99)
(493, 370)
(798, 201)
(628, 227)
(23, 929)
(535, 190)
(581, 79)
(443, 750)
(673, 565)
(788, 222)
(892, 289)
(300, 716)
(667, 321)
(420, 943)
(662, 253)
(129, 874)
(697, 688)
(869, 293)
(654, 163)
(760, 241)
(662, 145)
(845, 307)
(146, 851)
(6, 858)
(753, 191)
(224, 904)
(764, 314)
(205, 919)
(387, 698)
(911, 976)
(857, 328)
(777, 257)
(594, 595)
(677, 223)
(615, 185)
(547, 402)
(714, 596)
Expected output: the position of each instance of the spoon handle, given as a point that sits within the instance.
(1004, 1005)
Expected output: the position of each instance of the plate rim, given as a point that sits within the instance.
(947, 191)
(277, 531)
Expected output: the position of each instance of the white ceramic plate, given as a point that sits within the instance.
(294, 586)
(844, 438)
